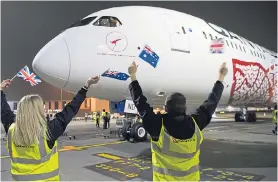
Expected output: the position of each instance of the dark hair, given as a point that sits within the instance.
(175, 103)
(103, 110)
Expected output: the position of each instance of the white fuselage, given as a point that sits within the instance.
(185, 63)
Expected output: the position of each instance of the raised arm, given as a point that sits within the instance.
(57, 126)
(7, 116)
(151, 122)
(204, 113)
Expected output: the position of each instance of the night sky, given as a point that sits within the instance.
(27, 26)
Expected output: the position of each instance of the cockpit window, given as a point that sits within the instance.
(83, 22)
(108, 21)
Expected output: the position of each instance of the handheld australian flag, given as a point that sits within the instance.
(217, 46)
(149, 56)
(28, 76)
(116, 75)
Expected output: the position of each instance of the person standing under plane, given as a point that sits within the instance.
(176, 137)
(97, 119)
(104, 119)
(32, 140)
(274, 119)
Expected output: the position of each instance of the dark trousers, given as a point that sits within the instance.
(108, 123)
(275, 127)
(97, 123)
(105, 123)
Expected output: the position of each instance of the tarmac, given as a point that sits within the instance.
(231, 151)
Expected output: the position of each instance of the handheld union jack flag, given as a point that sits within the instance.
(116, 75)
(28, 76)
(217, 46)
(149, 56)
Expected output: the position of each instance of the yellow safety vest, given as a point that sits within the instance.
(274, 113)
(33, 163)
(175, 159)
(103, 113)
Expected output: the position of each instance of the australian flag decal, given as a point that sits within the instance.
(115, 75)
(149, 56)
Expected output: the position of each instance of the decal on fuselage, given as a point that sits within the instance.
(242, 40)
(217, 46)
(252, 83)
(116, 41)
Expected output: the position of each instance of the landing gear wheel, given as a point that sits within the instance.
(125, 131)
(251, 117)
(237, 117)
(138, 132)
(119, 132)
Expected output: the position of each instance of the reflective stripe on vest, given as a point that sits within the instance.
(166, 151)
(166, 146)
(275, 115)
(35, 177)
(172, 172)
(44, 157)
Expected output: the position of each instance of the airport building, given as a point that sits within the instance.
(88, 106)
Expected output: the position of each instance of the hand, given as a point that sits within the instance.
(223, 71)
(93, 80)
(132, 69)
(5, 84)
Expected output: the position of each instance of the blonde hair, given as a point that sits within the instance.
(30, 122)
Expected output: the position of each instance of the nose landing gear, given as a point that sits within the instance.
(245, 116)
(132, 131)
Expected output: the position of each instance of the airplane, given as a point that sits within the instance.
(174, 51)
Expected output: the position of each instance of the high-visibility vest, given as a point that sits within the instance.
(103, 114)
(175, 159)
(274, 113)
(33, 163)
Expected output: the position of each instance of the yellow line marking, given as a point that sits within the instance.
(109, 156)
(68, 148)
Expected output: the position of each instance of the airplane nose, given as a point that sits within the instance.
(52, 63)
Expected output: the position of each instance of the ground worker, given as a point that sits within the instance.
(97, 119)
(94, 117)
(86, 117)
(108, 119)
(32, 141)
(274, 118)
(175, 136)
(104, 118)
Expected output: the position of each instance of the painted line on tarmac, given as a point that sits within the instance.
(215, 127)
(241, 141)
(78, 148)
(258, 126)
(123, 168)
(109, 156)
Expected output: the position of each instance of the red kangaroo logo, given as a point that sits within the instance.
(115, 41)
